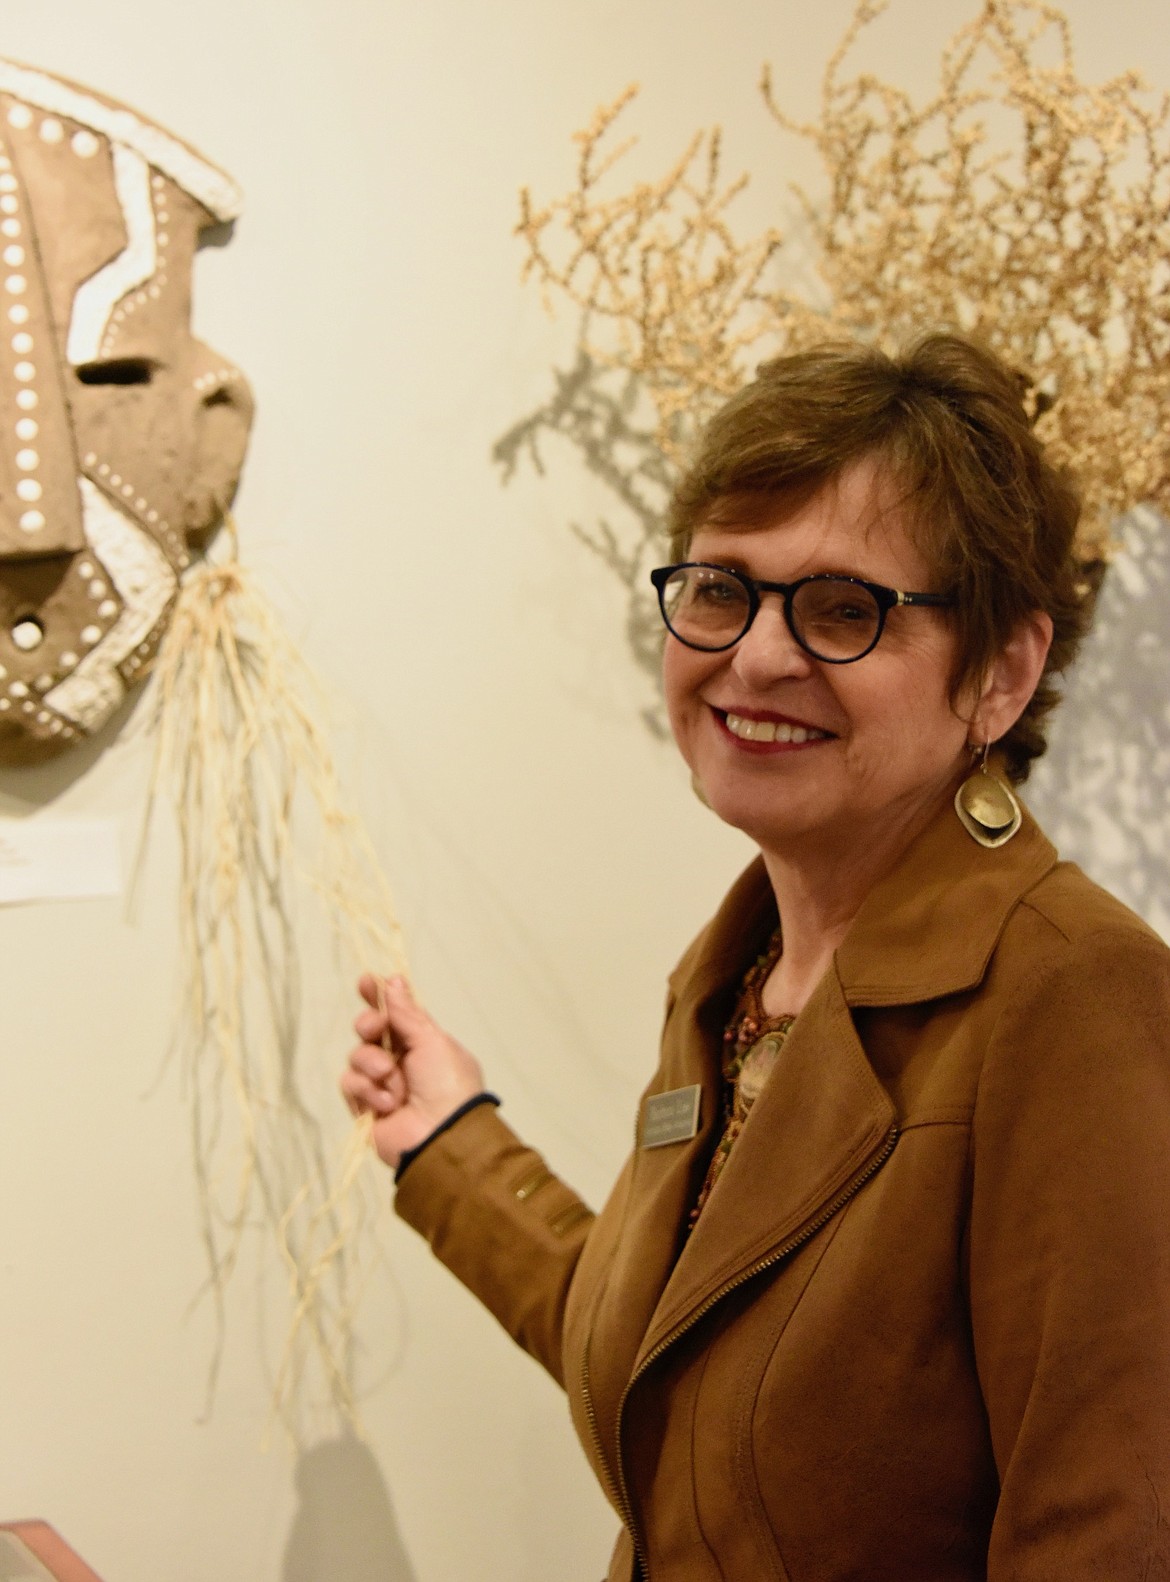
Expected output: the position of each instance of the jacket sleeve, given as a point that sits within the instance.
(503, 1224)
(1070, 1265)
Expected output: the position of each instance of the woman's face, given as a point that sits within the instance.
(883, 746)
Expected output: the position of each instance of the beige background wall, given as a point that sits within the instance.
(549, 859)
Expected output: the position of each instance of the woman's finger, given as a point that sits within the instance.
(369, 991)
(373, 989)
(372, 1061)
(362, 1094)
(370, 1026)
(408, 1021)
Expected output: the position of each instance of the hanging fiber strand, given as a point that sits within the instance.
(262, 825)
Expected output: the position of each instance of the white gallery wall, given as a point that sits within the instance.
(549, 860)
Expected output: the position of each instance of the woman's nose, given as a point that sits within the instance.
(768, 651)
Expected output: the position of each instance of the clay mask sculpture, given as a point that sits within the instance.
(121, 436)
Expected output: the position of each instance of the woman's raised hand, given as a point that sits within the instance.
(414, 1088)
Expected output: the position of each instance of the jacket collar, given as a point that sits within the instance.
(927, 929)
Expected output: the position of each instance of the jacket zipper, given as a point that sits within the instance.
(621, 1491)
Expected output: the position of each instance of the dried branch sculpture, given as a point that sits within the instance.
(1018, 204)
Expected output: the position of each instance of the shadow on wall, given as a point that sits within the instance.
(344, 1528)
(25, 787)
(1100, 791)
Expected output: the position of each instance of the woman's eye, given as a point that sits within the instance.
(715, 590)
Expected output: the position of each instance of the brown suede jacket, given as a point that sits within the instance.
(921, 1331)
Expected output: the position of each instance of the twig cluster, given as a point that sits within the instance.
(1017, 204)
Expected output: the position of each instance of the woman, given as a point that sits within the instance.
(896, 1303)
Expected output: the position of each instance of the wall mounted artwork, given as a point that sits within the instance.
(121, 435)
(1019, 204)
(122, 440)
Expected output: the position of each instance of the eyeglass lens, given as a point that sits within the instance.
(832, 617)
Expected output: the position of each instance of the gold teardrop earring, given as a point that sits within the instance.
(986, 805)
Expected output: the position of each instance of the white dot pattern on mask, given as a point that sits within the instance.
(127, 491)
(51, 130)
(20, 116)
(28, 489)
(217, 379)
(150, 293)
(84, 144)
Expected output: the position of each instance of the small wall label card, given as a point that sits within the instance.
(44, 859)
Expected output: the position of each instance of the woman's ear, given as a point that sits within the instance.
(1011, 678)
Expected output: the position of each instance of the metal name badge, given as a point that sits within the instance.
(671, 1117)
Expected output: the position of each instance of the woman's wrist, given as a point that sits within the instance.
(409, 1155)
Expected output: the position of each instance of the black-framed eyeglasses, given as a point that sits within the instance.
(835, 619)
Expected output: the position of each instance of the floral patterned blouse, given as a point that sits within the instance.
(752, 1042)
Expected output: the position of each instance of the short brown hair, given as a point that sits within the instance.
(995, 520)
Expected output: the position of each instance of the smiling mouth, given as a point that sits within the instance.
(746, 730)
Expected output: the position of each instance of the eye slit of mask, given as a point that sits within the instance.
(117, 371)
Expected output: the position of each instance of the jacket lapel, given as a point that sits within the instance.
(820, 1121)
(666, 1180)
